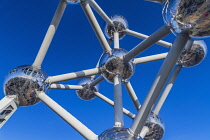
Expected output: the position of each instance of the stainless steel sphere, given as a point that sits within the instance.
(120, 24)
(194, 56)
(190, 15)
(156, 127)
(25, 82)
(73, 1)
(87, 93)
(117, 133)
(115, 65)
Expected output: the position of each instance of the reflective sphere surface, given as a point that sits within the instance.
(87, 93)
(190, 15)
(115, 65)
(117, 134)
(156, 127)
(194, 56)
(25, 82)
(73, 1)
(120, 24)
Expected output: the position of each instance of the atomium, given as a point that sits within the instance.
(188, 15)
(117, 133)
(26, 82)
(87, 93)
(194, 56)
(156, 127)
(115, 65)
(188, 19)
(120, 24)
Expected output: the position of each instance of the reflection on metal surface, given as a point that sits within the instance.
(25, 82)
(73, 1)
(156, 128)
(117, 133)
(5, 113)
(87, 93)
(193, 57)
(190, 15)
(120, 24)
(115, 65)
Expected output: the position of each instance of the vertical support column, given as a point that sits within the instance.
(158, 83)
(189, 44)
(167, 89)
(66, 116)
(50, 33)
(116, 40)
(144, 131)
(118, 107)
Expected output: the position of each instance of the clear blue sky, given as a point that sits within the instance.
(23, 25)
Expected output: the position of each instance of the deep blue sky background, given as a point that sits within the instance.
(23, 25)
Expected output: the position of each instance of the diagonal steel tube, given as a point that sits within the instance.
(156, 36)
(66, 116)
(142, 36)
(50, 33)
(118, 106)
(98, 9)
(132, 94)
(107, 100)
(97, 29)
(8, 106)
(65, 87)
(96, 81)
(158, 83)
(167, 89)
(73, 75)
(151, 58)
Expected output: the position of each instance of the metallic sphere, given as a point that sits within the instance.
(192, 16)
(73, 1)
(194, 56)
(120, 24)
(156, 127)
(87, 93)
(26, 82)
(115, 65)
(117, 133)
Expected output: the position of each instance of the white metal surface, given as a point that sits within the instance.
(132, 94)
(151, 58)
(167, 89)
(158, 83)
(160, 33)
(50, 33)
(110, 102)
(118, 105)
(116, 40)
(66, 116)
(65, 87)
(97, 29)
(8, 106)
(142, 36)
(73, 75)
(100, 11)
